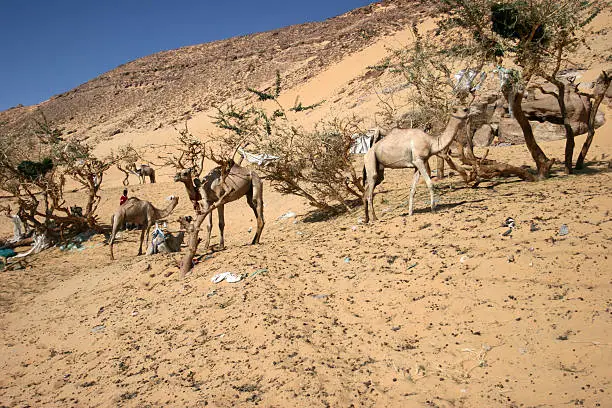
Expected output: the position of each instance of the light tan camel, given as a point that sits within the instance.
(239, 182)
(406, 148)
(140, 212)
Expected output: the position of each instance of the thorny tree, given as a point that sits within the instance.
(427, 71)
(314, 164)
(535, 36)
(37, 182)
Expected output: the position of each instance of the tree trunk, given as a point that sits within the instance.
(542, 162)
(569, 132)
(187, 262)
(603, 82)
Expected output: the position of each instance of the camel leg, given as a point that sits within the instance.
(208, 228)
(142, 233)
(112, 237)
(221, 214)
(369, 197)
(415, 181)
(371, 178)
(257, 200)
(365, 205)
(421, 167)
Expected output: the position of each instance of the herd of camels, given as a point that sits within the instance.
(396, 149)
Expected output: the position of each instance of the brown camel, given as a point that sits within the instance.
(140, 212)
(211, 190)
(143, 172)
(406, 148)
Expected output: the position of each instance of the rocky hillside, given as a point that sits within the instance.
(170, 86)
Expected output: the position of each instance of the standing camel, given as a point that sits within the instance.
(140, 212)
(406, 148)
(212, 190)
(143, 172)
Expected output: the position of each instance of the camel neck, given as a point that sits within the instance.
(446, 138)
(166, 211)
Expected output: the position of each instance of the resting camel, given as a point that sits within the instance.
(239, 182)
(140, 212)
(406, 148)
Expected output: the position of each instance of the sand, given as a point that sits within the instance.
(435, 309)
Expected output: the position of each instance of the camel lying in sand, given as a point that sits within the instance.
(406, 148)
(140, 212)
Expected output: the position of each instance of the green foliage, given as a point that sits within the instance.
(34, 170)
(300, 108)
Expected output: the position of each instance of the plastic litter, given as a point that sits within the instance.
(259, 271)
(287, 215)
(98, 328)
(226, 276)
(564, 230)
(347, 259)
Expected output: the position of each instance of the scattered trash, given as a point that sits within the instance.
(354, 228)
(411, 266)
(287, 215)
(299, 233)
(259, 271)
(233, 278)
(360, 221)
(320, 296)
(211, 293)
(463, 259)
(347, 259)
(7, 253)
(510, 258)
(533, 227)
(509, 222)
(396, 328)
(98, 328)
(564, 230)
(226, 276)
(250, 229)
(135, 313)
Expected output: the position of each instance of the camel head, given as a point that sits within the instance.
(460, 112)
(184, 175)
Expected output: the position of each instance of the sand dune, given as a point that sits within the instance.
(438, 309)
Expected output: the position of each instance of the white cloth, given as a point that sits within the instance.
(259, 159)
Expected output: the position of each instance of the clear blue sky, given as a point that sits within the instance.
(51, 46)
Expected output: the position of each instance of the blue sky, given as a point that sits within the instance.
(51, 46)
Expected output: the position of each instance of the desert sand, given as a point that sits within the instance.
(437, 309)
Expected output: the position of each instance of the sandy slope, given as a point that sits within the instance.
(430, 310)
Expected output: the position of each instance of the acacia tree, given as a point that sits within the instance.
(535, 36)
(433, 90)
(314, 164)
(35, 171)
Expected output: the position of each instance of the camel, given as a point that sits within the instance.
(143, 172)
(139, 212)
(211, 190)
(406, 148)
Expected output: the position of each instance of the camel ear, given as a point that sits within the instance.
(171, 198)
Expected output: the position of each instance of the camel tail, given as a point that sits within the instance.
(152, 177)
